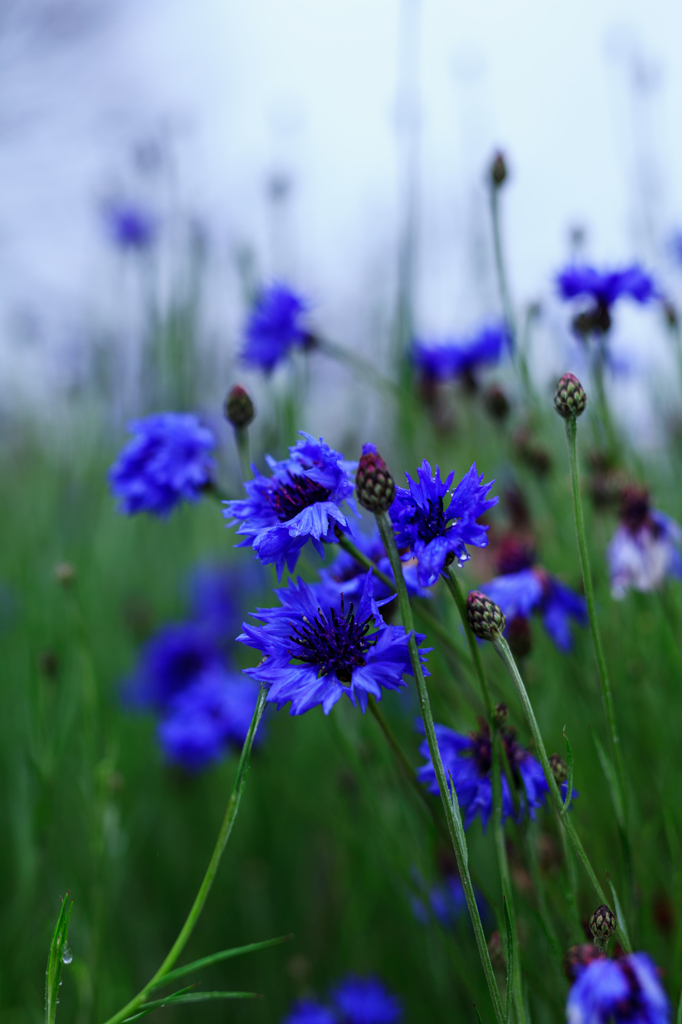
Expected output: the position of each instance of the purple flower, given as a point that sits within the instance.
(445, 360)
(468, 762)
(436, 535)
(167, 461)
(171, 662)
(524, 588)
(445, 901)
(306, 1011)
(129, 226)
(274, 327)
(204, 719)
(366, 1001)
(347, 576)
(606, 287)
(645, 547)
(623, 991)
(316, 648)
(298, 503)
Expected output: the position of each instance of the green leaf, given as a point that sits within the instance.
(607, 768)
(185, 995)
(619, 913)
(480, 1019)
(459, 828)
(215, 958)
(58, 947)
(510, 959)
(569, 780)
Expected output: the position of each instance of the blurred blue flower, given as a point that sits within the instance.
(347, 576)
(445, 360)
(174, 659)
(130, 226)
(217, 594)
(306, 1011)
(445, 901)
(675, 245)
(645, 547)
(434, 534)
(524, 588)
(203, 720)
(274, 327)
(366, 1001)
(298, 503)
(606, 287)
(468, 761)
(623, 991)
(167, 461)
(316, 648)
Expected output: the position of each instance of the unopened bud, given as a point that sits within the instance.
(486, 619)
(559, 769)
(374, 484)
(603, 925)
(500, 715)
(570, 398)
(239, 408)
(498, 170)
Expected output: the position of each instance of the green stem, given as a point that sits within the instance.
(502, 648)
(604, 417)
(571, 882)
(607, 698)
(205, 887)
(454, 826)
(241, 437)
(455, 588)
(500, 267)
(529, 836)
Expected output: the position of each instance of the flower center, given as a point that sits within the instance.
(288, 500)
(431, 522)
(337, 643)
(481, 751)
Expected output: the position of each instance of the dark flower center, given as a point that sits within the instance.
(288, 500)
(481, 751)
(634, 507)
(335, 643)
(431, 522)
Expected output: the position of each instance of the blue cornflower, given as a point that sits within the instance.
(606, 287)
(347, 576)
(622, 991)
(306, 1011)
(449, 359)
(468, 761)
(274, 327)
(316, 648)
(436, 535)
(298, 503)
(172, 661)
(167, 461)
(204, 719)
(445, 901)
(524, 588)
(216, 596)
(129, 226)
(366, 1001)
(645, 547)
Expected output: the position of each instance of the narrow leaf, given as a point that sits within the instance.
(569, 780)
(619, 912)
(215, 958)
(480, 1019)
(186, 996)
(510, 959)
(610, 774)
(459, 828)
(55, 961)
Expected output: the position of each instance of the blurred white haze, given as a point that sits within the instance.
(207, 111)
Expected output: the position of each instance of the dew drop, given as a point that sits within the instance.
(67, 955)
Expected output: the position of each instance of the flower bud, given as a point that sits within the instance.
(603, 924)
(500, 715)
(578, 957)
(498, 170)
(670, 313)
(374, 484)
(239, 408)
(486, 619)
(570, 398)
(559, 769)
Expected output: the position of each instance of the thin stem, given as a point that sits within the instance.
(357, 364)
(571, 881)
(529, 836)
(604, 417)
(455, 588)
(454, 826)
(502, 648)
(607, 698)
(241, 437)
(205, 887)
(500, 267)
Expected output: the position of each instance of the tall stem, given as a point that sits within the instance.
(503, 285)
(502, 648)
(454, 826)
(241, 437)
(455, 588)
(205, 887)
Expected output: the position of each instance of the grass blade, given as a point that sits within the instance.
(186, 995)
(619, 911)
(480, 1019)
(607, 768)
(510, 959)
(55, 962)
(569, 780)
(225, 954)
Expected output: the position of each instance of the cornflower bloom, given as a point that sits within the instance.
(129, 226)
(307, 1011)
(445, 901)
(346, 575)
(602, 289)
(175, 658)
(523, 587)
(442, 361)
(468, 760)
(645, 547)
(366, 1001)
(298, 503)
(275, 326)
(434, 534)
(203, 720)
(316, 648)
(166, 462)
(622, 991)
(216, 593)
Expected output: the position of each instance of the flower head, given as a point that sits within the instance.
(525, 588)
(274, 327)
(468, 762)
(175, 658)
(167, 461)
(450, 359)
(129, 226)
(366, 1001)
(298, 503)
(605, 287)
(435, 533)
(307, 1011)
(317, 647)
(204, 719)
(645, 547)
(623, 991)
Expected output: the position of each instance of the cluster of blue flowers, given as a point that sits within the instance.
(625, 990)
(355, 1000)
(452, 359)
(645, 548)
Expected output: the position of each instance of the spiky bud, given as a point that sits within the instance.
(486, 618)
(374, 484)
(578, 957)
(559, 769)
(570, 398)
(500, 715)
(603, 924)
(498, 170)
(239, 408)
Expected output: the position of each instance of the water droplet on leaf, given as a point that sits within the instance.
(67, 955)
